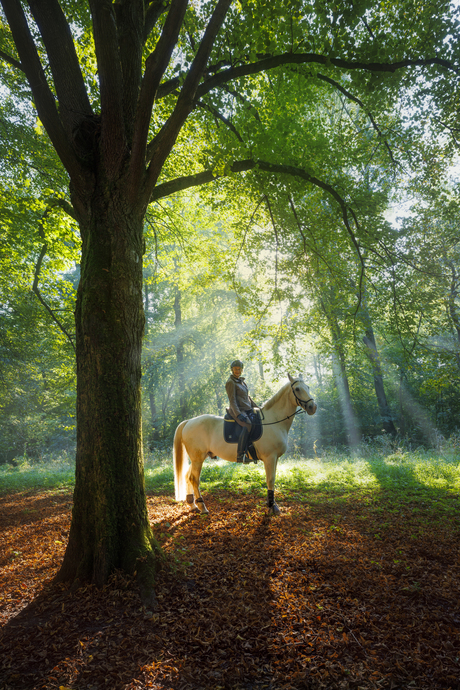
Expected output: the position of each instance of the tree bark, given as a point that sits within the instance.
(180, 352)
(454, 311)
(341, 377)
(385, 412)
(110, 527)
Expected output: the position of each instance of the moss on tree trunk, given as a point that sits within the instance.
(110, 527)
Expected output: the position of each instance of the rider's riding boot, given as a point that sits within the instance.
(242, 443)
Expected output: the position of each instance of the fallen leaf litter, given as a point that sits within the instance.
(331, 595)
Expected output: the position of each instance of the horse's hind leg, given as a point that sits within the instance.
(192, 478)
(270, 473)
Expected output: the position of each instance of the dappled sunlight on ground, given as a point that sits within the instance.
(343, 591)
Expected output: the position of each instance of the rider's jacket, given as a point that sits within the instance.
(238, 396)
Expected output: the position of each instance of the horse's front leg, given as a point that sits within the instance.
(194, 497)
(270, 473)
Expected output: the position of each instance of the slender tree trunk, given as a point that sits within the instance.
(454, 311)
(341, 377)
(110, 527)
(343, 387)
(146, 302)
(180, 352)
(385, 413)
(154, 416)
(402, 418)
(318, 373)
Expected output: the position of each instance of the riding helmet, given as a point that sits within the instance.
(236, 363)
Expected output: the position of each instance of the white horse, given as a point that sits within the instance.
(203, 437)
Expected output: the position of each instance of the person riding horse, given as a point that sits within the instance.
(241, 407)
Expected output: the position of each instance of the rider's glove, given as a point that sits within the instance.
(243, 418)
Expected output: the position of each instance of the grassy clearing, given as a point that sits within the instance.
(56, 472)
(397, 477)
(431, 471)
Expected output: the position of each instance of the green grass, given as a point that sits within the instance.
(56, 472)
(414, 477)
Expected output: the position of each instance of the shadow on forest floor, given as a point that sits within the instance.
(345, 590)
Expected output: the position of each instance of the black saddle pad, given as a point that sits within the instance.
(232, 430)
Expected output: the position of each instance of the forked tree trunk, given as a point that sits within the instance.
(110, 527)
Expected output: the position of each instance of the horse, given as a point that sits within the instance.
(203, 437)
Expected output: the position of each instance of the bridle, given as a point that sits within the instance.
(298, 400)
(300, 403)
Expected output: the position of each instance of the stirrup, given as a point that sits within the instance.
(242, 458)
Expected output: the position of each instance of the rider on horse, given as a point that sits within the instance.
(241, 407)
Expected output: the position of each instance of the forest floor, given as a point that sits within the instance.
(343, 591)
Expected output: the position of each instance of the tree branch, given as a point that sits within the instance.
(271, 62)
(155, 66)
(353, 98)
(58, 202)
(113, 135)
(152, 14)
(35, 288)
(43, 97)
(130, 29)
(181, 183)
(73, 100)
(215, 112)
(164, 141)
(304, 239)
(11, 61)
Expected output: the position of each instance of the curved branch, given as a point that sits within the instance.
(58, 202)
(267, 62)
(65, 67)
(356, 100)
(271, 62)
(215, 112)
(11, 61)
(155, 67)
(35, 288)
(162, 144)
(181, 183)
(43, 97)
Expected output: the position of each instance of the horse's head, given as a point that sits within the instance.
(302, 395)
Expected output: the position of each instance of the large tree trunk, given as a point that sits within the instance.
(110, 527)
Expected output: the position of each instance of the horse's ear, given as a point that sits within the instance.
(290, 378)
(301, 377)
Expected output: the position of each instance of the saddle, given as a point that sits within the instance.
(232, 432)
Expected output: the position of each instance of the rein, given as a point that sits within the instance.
(298, 401)
(288, 417)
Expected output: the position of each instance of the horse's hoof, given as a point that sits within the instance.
(274, 510)
(201, 506)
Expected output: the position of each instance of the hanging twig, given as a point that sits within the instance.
(35, 288)
(276, 241)
(242, 243)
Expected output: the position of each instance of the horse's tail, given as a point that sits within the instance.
(179, 465)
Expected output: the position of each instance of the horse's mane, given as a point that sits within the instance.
(274, 399)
